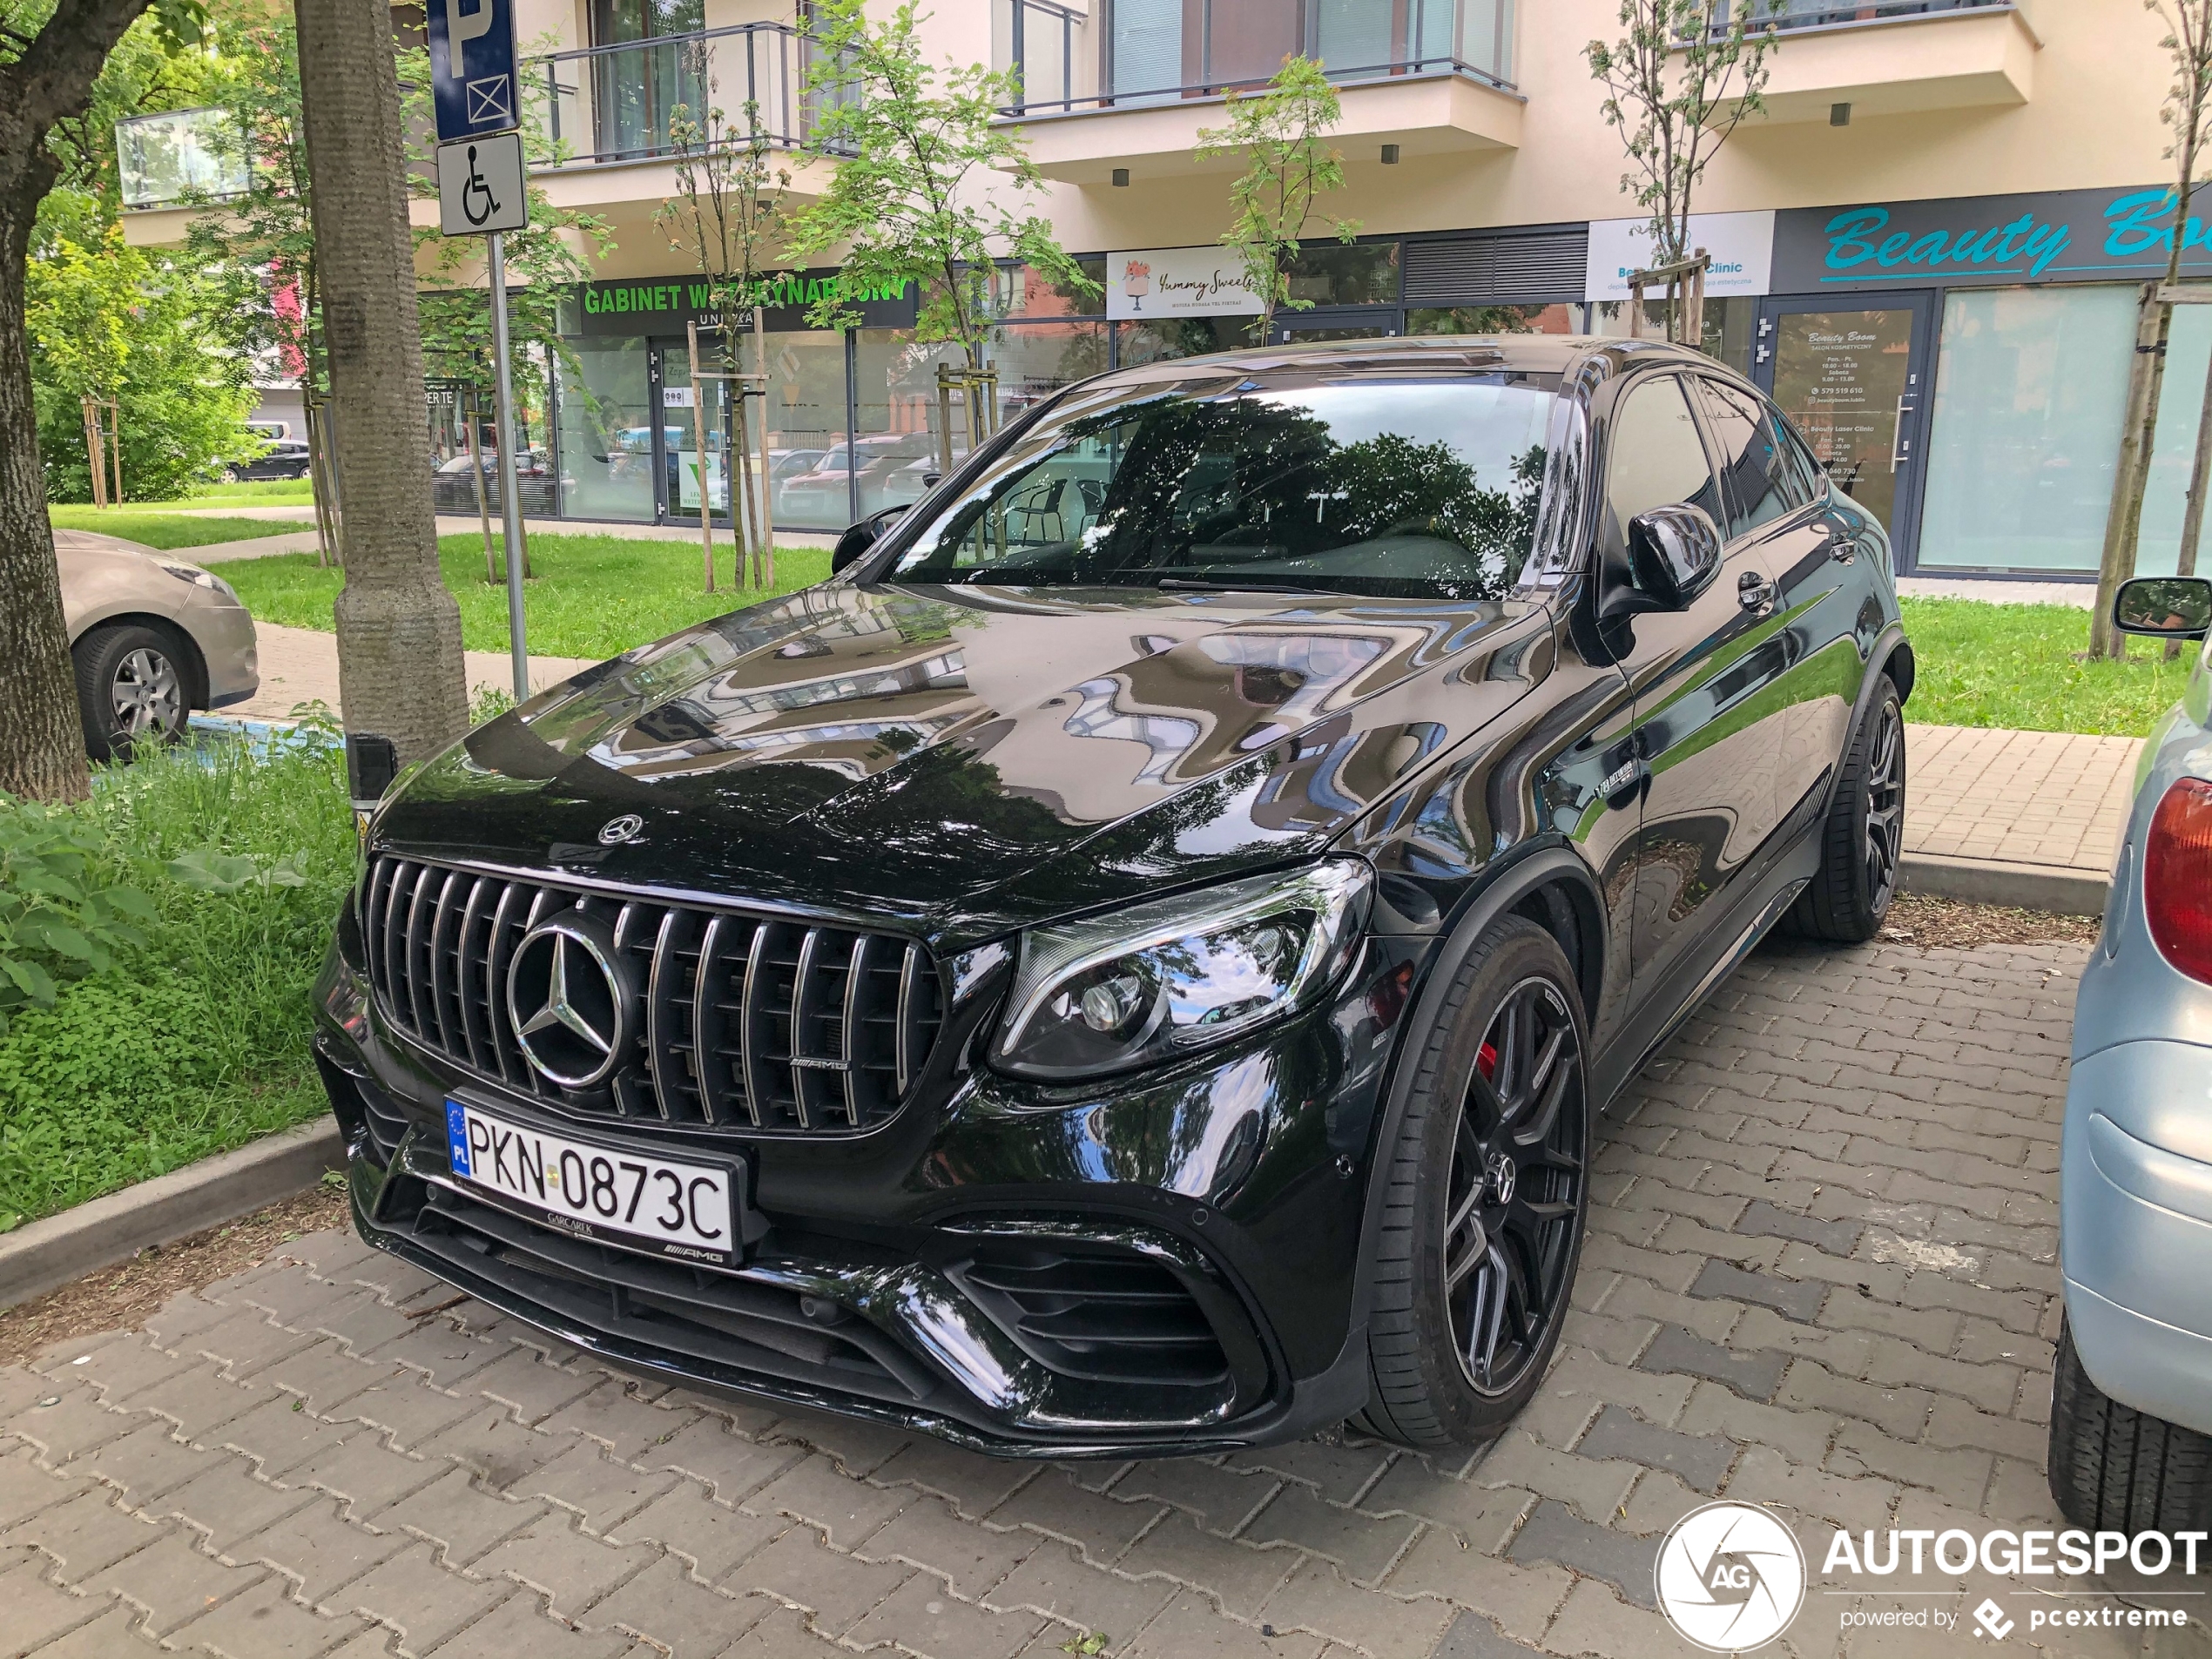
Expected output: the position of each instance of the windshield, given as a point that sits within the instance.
(1388, 486)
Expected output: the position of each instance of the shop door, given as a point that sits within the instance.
(1335, 322)
(1855, 379)
(675, 450)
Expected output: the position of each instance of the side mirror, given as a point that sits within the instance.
(2170, 607)
(856, 541)
(1675, 553)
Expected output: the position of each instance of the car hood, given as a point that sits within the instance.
(964, 759)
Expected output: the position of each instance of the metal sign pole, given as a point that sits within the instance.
(510, 502)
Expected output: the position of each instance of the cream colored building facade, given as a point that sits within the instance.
(1926, 246)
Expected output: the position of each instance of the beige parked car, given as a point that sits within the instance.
(153, 638)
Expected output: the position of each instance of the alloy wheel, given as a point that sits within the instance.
(147, 699)
(1513, 1201)
(1885, 833)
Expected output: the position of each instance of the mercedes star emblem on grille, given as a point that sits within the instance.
(569, 997)
(616, 831)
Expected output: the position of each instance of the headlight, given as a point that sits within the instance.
(200, 578)
(1156, 980)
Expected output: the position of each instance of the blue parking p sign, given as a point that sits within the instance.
(473, 82)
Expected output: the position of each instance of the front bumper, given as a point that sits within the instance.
(224, 633)
(2135, 1244)
(990, 1268)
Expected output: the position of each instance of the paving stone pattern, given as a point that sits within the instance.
(2057, 798)
(1820, 1275)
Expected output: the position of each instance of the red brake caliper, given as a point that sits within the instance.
(1485, 1061)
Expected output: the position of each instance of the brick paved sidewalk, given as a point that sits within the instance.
(1821, 1274)
(1989, 809)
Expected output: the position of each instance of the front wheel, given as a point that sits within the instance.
(1488, 1187)
(1863, 839)
(130, 687)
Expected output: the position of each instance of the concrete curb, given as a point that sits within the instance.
(50, 1252)
(2058, 888)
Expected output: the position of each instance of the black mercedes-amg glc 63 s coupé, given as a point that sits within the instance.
(1130, 964)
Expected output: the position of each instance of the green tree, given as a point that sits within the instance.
(2188, 45)
(543, 261)
(729, 201)
(114, 321)
(1685, 74)
(50, 56)
(929, 189)
(258, 249)
(1289, 167)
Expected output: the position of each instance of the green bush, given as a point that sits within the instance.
(195, 1040)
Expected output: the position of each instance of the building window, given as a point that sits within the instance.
(2030, 387)
(636, 89)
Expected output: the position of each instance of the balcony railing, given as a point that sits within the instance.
(616, 103)
(1827, 14)
(177, 156)
(1125, 53)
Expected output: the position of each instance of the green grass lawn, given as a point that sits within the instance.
(195, 1041)
(260, 492)
(2014, 665)
(591, 596)
(172, 530)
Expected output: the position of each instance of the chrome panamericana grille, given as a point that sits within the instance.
(744, 1022)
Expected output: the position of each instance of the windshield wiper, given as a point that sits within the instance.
(1206, 584)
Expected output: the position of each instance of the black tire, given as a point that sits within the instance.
(133, 686)
(1466, 1318)
(1863, 837)
(2117, 1469)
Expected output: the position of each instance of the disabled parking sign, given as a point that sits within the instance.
(483, 185)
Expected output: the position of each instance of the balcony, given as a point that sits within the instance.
(177, 156)
(1897, 56)
(1129, 83)
(615, 102)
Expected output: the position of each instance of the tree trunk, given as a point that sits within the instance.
(400, 671)
(42, 736)
(2123, 520)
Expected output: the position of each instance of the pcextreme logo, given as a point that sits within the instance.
(1730, 1577)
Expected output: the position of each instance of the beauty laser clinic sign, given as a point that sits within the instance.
(1741, 246)
(1177, 282)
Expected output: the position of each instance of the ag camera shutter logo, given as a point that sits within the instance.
(1730, 1577)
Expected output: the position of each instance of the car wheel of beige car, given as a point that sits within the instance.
(131, 688)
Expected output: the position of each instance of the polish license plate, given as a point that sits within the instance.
(624, 1196)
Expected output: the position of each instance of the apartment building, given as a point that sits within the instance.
(1927, 246)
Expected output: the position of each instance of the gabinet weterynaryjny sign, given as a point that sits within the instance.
(1177, 282)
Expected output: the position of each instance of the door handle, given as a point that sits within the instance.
(1755, 593)
(1897, 443)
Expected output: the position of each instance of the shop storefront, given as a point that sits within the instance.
(1966, 362)
(1960, 364)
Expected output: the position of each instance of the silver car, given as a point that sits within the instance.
(2131, 1402)
(153, 638)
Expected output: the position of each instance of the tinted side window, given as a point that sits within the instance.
(1760, 473)
(1658, 457)
(1807, 472)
